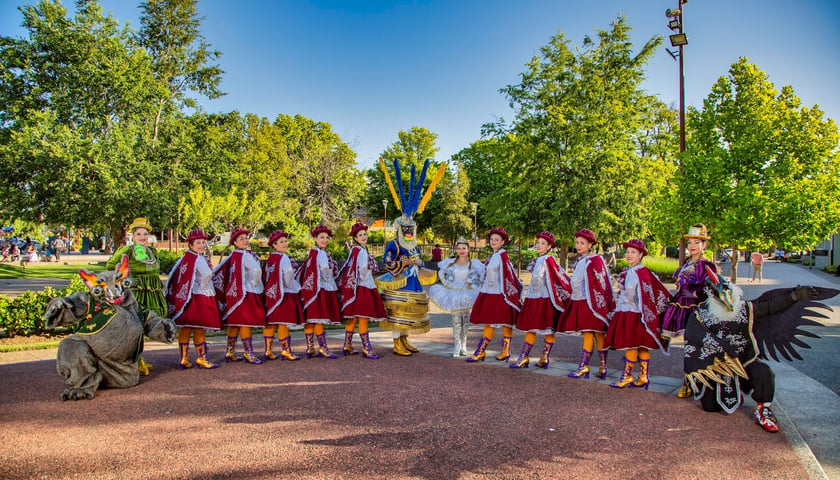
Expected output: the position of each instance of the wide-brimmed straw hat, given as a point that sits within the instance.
(140, 222)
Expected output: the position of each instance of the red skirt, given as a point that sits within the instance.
(249, 313)
(491, 309)
(289, 312)
(627, 331)
(579, 318)
(538, 315)
(201, 312)
(324, 309)
(368, 304)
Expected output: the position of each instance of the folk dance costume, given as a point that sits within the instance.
(549, 294)
(456, 293)
(191, 299)
(499, 299)
(592, 301)
(361, 300)
(406, 303)
(145, 276)
(726, 337)
(634, 324)
(318, 293)
(690, 279)
(283, 311)
(239, 294)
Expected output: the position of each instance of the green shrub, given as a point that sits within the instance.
(167, 259)
(24, 314)
(830, 269)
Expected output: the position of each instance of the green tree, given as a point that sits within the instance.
(571, 157)
(760, 169)
(181, 56)
(412, 148)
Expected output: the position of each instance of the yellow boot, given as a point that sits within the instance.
(411, 348)
(201, 356)
(626, 380)
(185, 356)
(399, 348)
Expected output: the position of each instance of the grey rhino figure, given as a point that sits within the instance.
(109, 330)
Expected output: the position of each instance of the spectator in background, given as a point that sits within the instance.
(58, 247)
(757, 261)
(437, 253)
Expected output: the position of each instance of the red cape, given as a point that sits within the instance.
(273, 281)
(511, 285)
(599, 296)
(229, 283)
(559, 284)
(309, 276)
(178, 288)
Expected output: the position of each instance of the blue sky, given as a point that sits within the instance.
(373, 68)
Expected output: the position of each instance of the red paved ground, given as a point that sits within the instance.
(422, 417)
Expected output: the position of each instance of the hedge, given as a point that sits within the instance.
(23, 315)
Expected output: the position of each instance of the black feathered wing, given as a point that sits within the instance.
(777, 325)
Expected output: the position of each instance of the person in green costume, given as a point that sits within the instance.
(144, 270)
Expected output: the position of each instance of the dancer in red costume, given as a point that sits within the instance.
(499, 299)
(239, 293)
(361, 301)
(318, 292)
(548, 296)
(191, 300)
(282, 298)
(634, 325)
(592, 301)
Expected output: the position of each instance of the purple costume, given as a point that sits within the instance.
(689, 280)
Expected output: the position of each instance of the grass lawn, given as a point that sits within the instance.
(45, 270)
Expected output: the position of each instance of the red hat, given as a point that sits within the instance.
(637, 244)
(237, 232)
(356, 228)
(500, 232)
(275, 235)
(587, 234)
(320, 228)
(197, 234)
(548, 237)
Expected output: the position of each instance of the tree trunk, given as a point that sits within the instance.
(563, 254)
(118, 234)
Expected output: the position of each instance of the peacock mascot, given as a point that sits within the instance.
(406, 304)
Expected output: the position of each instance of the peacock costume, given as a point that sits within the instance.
(406, 304)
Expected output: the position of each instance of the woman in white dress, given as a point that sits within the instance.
(460, 279)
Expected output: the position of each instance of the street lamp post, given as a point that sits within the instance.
(475, 225)
(679, 40)
(384, 222)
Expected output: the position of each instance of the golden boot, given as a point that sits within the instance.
(185, 357)
(286, 350)
(479, 355)
(269, 354)
(348, 344)
(504, 355)
(626, 380)
(399, 348)
(644, 380)
(411, 348)
(201, 356)
(230, 354)
(545, 357)
(523, 360)
(583, 365)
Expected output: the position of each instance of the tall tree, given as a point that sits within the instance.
(181, 56)
(759, 168)
(577, 129)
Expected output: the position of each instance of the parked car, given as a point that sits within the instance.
(726, 254)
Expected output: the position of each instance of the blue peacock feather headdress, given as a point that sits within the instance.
(415, 201)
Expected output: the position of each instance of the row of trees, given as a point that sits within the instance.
(98, 123)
